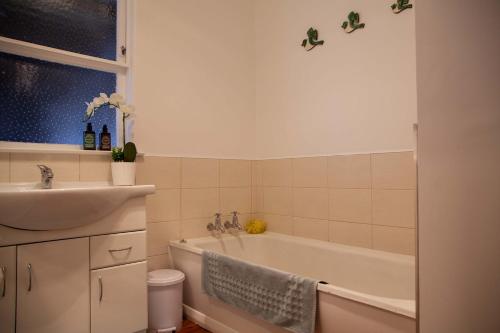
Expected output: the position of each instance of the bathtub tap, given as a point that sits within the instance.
(235, 224)
(217, 225)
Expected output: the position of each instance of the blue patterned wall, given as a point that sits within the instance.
(43, 102)
(82, 26)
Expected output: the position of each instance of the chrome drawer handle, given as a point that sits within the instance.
(29, 277)
(119, 250)
(100, 289)
(4, 280)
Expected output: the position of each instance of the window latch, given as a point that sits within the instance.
(124, 50)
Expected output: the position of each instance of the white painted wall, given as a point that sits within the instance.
(458, 52)
(229, 79)
(193, 77)
(357, 93)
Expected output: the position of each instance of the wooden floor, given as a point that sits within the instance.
(190, 327)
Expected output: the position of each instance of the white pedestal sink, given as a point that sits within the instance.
(67, 205)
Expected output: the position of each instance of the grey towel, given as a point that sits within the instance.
(281, 298)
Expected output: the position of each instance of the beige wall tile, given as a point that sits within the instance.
(95, 168)
(277, 200)
(395, 208)
(235, 199)
(349, 171)
(200, 172)
(310, 228)
(164, 205)
(23, 166)
(195, 228)
(235, 173)
(394, 170)
(257, 200)
(159, 262)
(310, 202)
(277, 172)
(164, 172)
(355, 234)
(199, 203)
(309, 172)
(350, 205)
(159, 234)
(279, 223)
(4, 168)
(399, 240)
(256, 173)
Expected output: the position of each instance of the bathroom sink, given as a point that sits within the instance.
(67, 205)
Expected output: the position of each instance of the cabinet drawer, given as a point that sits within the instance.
(118, 249)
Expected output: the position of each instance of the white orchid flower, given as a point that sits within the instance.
(90, 110)
(104, 97)
(98, 101)
(131, 109)
(116, 99)
(126, 109)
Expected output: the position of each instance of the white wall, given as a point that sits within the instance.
(229, 79)
(193, 78)
(458, 70)
(357, 93)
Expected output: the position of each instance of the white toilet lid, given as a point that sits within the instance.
(165, 277)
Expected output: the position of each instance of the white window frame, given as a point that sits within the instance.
(120, 67)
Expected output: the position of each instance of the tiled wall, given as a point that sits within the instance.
(365, 200)
(189, 191)
(21, 167)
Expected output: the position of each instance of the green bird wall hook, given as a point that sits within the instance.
(312, 40)
(401, 5)
(352, 23)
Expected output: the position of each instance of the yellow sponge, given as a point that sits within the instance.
(255, 226)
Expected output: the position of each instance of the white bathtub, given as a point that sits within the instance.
(367, 291)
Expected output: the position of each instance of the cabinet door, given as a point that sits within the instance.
(53, 287)
(119, 299)
(8, 289)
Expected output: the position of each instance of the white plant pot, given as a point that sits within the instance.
(123, 173)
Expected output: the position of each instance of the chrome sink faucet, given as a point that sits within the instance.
(47, 176)
(216, 225)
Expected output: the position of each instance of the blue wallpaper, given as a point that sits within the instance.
(43, 102)
(82, 26)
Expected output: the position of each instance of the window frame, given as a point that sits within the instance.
(121, 67)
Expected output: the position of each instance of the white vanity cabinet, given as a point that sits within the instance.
(119, 299)
(53, 287)
(8, 289)
(87, 278)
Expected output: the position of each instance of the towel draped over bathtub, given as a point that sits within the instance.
(281, 298)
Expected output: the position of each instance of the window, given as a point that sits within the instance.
(54, 56)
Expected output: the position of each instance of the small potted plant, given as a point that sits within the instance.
(123, 166)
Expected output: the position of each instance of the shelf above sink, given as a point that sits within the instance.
(67, 205)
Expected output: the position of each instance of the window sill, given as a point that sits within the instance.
(36, 148)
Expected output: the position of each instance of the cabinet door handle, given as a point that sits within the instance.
(29, 277)
(4, 280)
(100, 289)
(119, 250)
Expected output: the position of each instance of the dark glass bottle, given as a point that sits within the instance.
(89, 138)
(105, 139)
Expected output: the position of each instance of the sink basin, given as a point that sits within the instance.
(67, 205)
